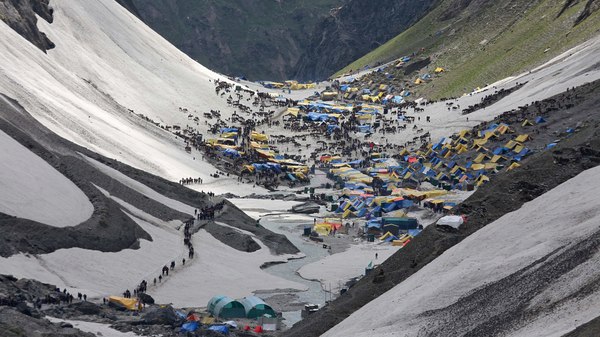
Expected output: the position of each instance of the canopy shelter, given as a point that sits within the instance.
(256, 307)
(123, 303)
(225, 307)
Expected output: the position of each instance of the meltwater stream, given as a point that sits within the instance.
(292, 226)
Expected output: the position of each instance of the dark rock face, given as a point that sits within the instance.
(20, 15)
(354, 30)
(161, 315)
(259, 39)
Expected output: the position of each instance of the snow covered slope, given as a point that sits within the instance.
(527, 274)
(32, 189)
(106, 62)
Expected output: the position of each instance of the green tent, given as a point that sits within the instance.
(255, 307)
(225, 307)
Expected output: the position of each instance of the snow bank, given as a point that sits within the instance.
(500, 249)
(98, 329)
(32, 189)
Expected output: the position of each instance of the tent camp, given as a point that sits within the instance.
(225, 307)
(453, 221)
(256, 307)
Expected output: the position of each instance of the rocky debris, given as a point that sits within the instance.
(277, 243)
(145, 298)
(86, 308)
(233, 238)
(20, 15)
(16, 324)
(164, 315)
(308, 207)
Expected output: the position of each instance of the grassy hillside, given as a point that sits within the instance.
(261, 39)
(479, 42)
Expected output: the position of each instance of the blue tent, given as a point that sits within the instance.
(414, 232)
(540, 119)
(190, 327)
(364, 128)
(331, 128)
(229, 130)
(231, 153)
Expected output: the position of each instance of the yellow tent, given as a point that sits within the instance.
(439, 70)
(418, 81)
(522, 138)
(477, 167)
(497, 158)
(479, 142)
(229, 134)
(513, 166)
(502, 129)
(526, 123)
(519, 148)
(322, 229)
(482, 179)
(127, 303)
(480, 158)
(293, 111)
(511, 144)
(259, 137)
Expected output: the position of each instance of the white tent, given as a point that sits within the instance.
(453, 221)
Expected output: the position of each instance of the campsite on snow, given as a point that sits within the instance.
(443, 183)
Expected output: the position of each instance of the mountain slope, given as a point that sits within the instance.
(83, 129)
(113, 85)
(480, 42)
(262, 40)
(353, 30)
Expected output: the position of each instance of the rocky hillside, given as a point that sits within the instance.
(355, 29)
(482, 41)
(262, 40)
(20, 15)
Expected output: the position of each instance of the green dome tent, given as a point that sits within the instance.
(255, 307)
(225, 307)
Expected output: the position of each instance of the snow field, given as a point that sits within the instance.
(32, 189)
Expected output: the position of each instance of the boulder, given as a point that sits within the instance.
(86, 308)
(164, 315)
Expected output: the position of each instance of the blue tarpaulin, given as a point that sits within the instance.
(223, 130)
(220, 328)
(190, 327)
